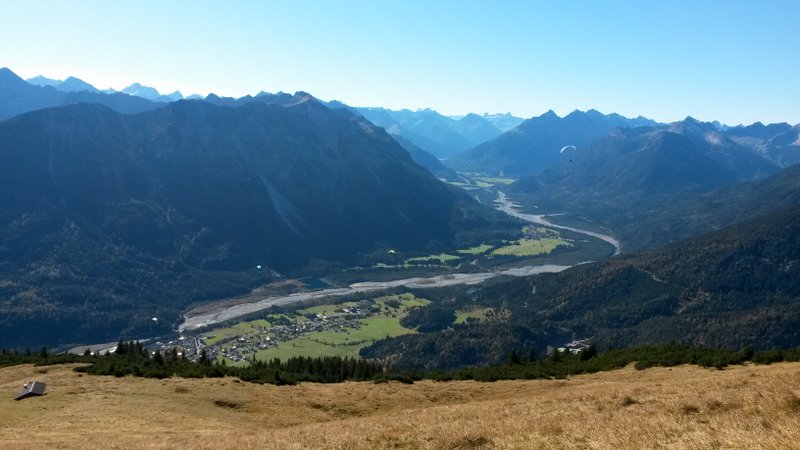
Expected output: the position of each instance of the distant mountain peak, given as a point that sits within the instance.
(73, 84)
(7, 75)
(175, 95)
(139, 90)
(40, 80)
(690, 125)
(550, 114)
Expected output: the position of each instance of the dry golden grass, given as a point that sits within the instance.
(746, 407)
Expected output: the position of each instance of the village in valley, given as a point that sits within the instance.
(331, 329)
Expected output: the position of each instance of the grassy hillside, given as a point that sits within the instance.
(684, 407)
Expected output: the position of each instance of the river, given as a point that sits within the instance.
(194, 320)
(511, 208)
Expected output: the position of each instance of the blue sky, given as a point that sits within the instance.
(733, 61)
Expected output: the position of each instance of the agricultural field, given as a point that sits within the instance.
(530, 247)
(239, 329)
(323, 330)
(534, 241)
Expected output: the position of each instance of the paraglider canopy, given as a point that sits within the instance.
(258, 267)
(391, 252)
(568, 149)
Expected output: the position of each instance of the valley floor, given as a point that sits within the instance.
(685, 407)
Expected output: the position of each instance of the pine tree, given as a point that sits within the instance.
(514, 358)
(158, 358)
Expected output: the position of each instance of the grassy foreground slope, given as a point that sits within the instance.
(684, 407)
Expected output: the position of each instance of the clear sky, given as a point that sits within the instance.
(733, 61)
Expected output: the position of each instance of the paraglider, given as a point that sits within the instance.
(258, 267)
(391, 252)
(570, 148)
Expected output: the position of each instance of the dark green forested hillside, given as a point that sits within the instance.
(729, 289)
(109, 220)
(691, 215)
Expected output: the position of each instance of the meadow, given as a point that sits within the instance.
(685, 407)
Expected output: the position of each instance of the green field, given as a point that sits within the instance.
(212, 337)
(327, 310)
(384, 321)
(334, 343)
(530, 247)
(462, 315)
(406, 303)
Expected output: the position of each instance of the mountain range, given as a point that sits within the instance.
(72, 84)
(439, 135)
(655, 185)
(535, 144)
(629, 166)
(18, 96)
(111, 219)
(120, 209)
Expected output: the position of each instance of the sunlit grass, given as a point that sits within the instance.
(219, 334)
(346, 341)
(530, 247)
(491, 181)
(686, 407)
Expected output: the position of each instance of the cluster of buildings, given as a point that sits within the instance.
(242, 347)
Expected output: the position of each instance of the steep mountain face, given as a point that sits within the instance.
(778, 142)
(110, 220)
(641, 168)
(536, 143)
(428, 161)
(437, 134)
(476, 129)
(695, 214)
(729, 289)
(18, 96)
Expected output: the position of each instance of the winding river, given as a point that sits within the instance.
(511, 208)
(198, 319)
